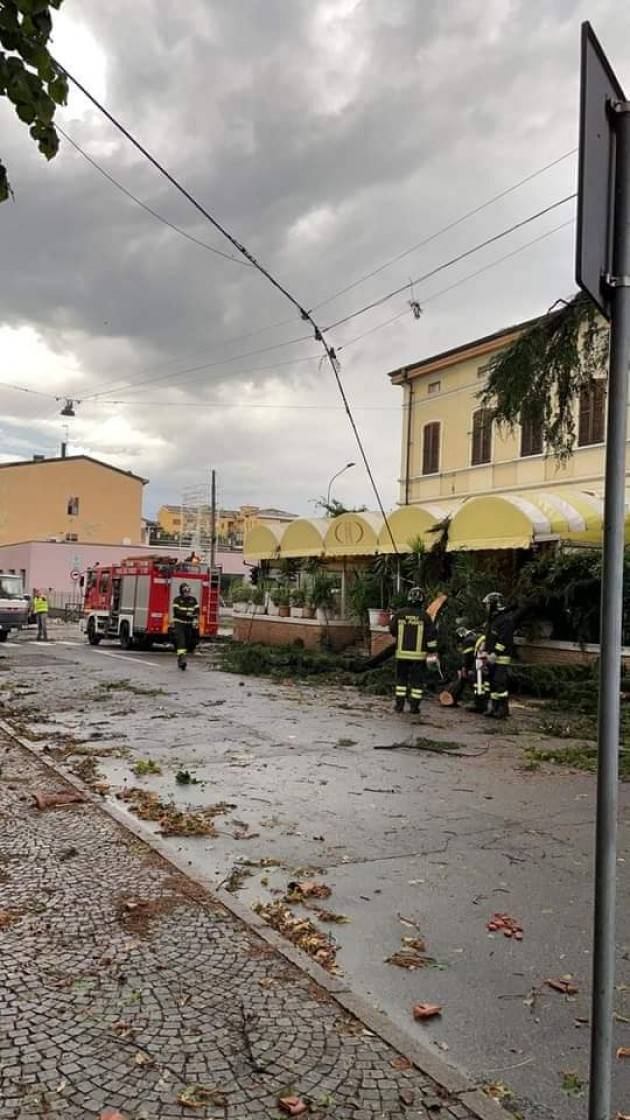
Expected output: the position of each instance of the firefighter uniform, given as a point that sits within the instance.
(499, 651)
(470, 643)
(185, 622)
(416, 636)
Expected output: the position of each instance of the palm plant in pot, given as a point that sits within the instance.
(258, 600)
(282, 601)
(241, 596)
(322, 596)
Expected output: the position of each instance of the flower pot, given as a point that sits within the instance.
(322, 614)
(297, 612)
(272, 609)
(308, 612)
(374, 614)
(258, 608)
(284, 611)
(238, 608)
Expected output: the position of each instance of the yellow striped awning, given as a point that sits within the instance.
(262, 542)
(524, 518)
(304, 537)
(411, 523)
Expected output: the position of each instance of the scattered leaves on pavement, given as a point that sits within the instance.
(330, 916)
(143, 1059)
(146, 766)
(196, 1096)
(573, 1085)
(407, 1097)
(185, 778)
(498, 1091)
(623, 1051)
(8, 917)
(301, 932)
(292, 1106)
(400, 1063)
(110, 1114)
(423, 1011)
(297, 892)
(406, 958)
(173, 821)
(503, 923)
(564, 985)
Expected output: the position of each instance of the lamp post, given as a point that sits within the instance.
(346, 468)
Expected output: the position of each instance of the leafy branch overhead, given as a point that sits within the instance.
(28, 76)
(540, 375)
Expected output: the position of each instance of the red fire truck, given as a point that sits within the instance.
(133, 600)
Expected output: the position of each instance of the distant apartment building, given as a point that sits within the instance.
(71, 498)
(195, 523)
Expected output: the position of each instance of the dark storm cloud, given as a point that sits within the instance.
(329, 136)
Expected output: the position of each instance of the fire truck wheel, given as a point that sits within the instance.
(92, 636)
(4, 634)
(126, 641)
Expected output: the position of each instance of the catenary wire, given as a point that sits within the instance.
(304, 314)
(445, 229)
(333, 326)
(145, 206)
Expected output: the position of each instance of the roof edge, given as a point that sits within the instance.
(475, 346)
(73, 458)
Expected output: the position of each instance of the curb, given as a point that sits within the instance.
(445, 1075)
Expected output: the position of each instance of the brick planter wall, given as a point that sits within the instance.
(273, 631)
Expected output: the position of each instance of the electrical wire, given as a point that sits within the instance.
(304, 314)
(445, 229)
(145, 206)
(451, 262)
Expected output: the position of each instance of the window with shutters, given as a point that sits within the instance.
(73, 507)
(481, 436)
(431, 448)
(531, 436)
(592, 417)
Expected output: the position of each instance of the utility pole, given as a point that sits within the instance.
(213, 519)
(603, 271)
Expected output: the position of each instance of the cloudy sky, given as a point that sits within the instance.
(330, 136)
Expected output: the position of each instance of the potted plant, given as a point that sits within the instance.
(282, 600)
(322, 596)
(298, 600)
(258, 600)
(241, 596)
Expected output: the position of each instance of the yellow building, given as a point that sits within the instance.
(452, 450)
(74, 498)
(231, 524)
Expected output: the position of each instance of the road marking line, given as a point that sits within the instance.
(125, 657)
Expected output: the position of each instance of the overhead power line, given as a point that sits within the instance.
(304, 314)
(451, 262)
(145, 206)
(445, 229)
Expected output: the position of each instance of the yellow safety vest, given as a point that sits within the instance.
(40, 604)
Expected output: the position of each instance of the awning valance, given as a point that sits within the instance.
(522, 519)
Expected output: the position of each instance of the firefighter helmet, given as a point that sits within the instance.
(494, 602)
(415, 596)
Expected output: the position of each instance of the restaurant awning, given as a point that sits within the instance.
(520, 520)
(353, 534)
(410, 523)
(262, 542)
(304, 537)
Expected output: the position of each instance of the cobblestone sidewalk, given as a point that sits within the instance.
(106, 1003)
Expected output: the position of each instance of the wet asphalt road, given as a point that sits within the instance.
(438, 840)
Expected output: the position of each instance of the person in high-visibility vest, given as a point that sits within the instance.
(499, 648)
(470, 645)
(416, 641)
(40, 610)
(185, 623)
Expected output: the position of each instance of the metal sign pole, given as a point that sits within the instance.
(610, 636)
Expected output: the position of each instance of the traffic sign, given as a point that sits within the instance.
(75, 574)
(599, 90)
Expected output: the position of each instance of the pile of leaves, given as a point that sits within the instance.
(146, 766)
(301, 932)
(172, 820)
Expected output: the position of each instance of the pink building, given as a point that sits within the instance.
(58, 565)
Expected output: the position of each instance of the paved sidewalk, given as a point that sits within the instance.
(125, 986)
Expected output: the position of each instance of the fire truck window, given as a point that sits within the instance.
(104, 584)
(91, 580)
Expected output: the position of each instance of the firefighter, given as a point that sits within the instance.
(498, 652)
(416, 641)
(185, 622)
(470, 672)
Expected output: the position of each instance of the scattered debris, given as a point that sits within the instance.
(143, 1059)
(196, 1096)
(423, 1011)
(8, 917)
(297, 892)
(173, 821)
(330, 916)
(407, 958)
(292, 1106)
(623, 1051)
(407, 1097)
(136, 914)
(146, 766)
(301, 932)
(346, 743)
(564, 985)
(506, 925)
(498, 1091)
(67, 853)
(58, 799)
(573, 1085)
(109, 1113)
(239, 873)
(185, 778)
(400, 1063)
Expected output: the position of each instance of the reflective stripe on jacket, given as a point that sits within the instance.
(414, 632)
(185, 609)
(40, 604)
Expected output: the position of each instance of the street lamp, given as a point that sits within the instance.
(346, 468)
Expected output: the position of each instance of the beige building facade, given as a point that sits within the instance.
(452, 450)
(74, 498)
